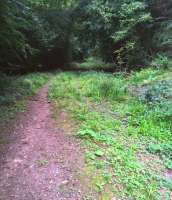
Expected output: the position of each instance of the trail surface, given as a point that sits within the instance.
(42, 161)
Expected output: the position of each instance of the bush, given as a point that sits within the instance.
(158, 92)
(14, 88)
(162, 61)
(158, 99)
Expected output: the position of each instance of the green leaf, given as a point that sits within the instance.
(99, 153)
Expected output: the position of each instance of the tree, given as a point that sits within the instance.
(50, 34)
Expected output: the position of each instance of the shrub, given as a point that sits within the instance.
(14, 88)
(158, 92)
(162, 61)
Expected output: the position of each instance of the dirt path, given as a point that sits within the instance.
(42, 162)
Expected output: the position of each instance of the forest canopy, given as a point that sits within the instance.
(47, 34)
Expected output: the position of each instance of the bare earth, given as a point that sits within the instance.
(42, 162)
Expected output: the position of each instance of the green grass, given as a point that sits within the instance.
(145, 76)
(92, 85)
(14, 90)
(116, 128)
(94, 63)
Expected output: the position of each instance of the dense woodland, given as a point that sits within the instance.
(47, 34)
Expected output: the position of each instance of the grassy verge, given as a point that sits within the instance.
(125, 136)
(14, 91)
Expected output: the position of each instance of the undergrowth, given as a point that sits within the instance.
(15, 90)
(95, 63)
(116, 128)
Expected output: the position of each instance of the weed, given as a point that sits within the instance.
(164, 150)
(113, 136)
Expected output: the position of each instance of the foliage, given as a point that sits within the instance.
(164, 150)
(19, 35)
(162, 61)
(94, 85)
(27, 35)
(144, 76)
(129, 19)
(51, 34)
(115, 25)
(158, 92)
(116, 128)
(95, 64)
(14, 90)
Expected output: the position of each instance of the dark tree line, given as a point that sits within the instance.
(46, 34)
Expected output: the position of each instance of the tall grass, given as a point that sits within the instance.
(96, 86)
